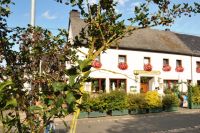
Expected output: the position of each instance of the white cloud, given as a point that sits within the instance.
(47, 15)
(92, 1)
(122, 2)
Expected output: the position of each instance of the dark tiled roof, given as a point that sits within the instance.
(192, 42)
(150, 39)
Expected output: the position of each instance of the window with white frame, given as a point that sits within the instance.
(147, 60)
(122, 59)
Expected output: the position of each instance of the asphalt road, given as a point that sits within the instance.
(150, 123)
(180, 122)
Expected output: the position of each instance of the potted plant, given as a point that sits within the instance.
(170, 102)
(122, 65)
(179, 69)
(84, 106)
(154, 102)
(117, 103)
(198, 69)
(194, 97)
(166, 68)
(133, 104)
(96, 64)
(147, 67)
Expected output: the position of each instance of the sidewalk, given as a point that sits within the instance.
(68, 119)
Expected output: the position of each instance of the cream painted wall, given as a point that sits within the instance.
(109, 61)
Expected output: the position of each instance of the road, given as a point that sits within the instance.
(173, 122)
(148, 123)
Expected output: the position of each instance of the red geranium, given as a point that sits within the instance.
(147, 67)
(96, 64)
(122, 65)
(198, 69)
(179, 69)
(166, 68)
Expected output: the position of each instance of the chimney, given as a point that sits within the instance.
(74, 13)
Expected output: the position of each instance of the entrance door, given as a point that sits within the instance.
(144, 87)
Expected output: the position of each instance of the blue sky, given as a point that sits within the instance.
(52, 15)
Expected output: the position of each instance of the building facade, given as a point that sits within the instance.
(146, 60)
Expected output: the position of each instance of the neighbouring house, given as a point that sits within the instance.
(146, 60)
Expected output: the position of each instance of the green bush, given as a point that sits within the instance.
(153, 100)
(195, 97)
(170, 100)
(136, 101)
(97, 104)
(85, 105)
(116, 100)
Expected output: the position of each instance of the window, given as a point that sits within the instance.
(178, 63)
(198, 63)
(98, 85)
(122, 59)
(165, 62)
(147, 60)
(97, 58)
(118, 84)
(170, 84)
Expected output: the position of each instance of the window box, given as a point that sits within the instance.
(122, 65)
(96, 64)
(166, 68)
(198, 69)
(147, 67)
(179, 69)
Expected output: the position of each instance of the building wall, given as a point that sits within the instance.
(135, 61)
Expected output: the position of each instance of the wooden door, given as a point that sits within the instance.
(144, 87)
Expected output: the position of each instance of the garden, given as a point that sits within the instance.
(118, 103)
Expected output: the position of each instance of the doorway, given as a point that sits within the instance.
(144, 84)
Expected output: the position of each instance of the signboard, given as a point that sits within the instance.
(137, 72)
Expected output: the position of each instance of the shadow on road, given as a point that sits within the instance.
(155, 123)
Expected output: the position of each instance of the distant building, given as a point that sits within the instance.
(147, 60)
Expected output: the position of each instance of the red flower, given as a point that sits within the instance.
(179, 69)
(198, 69)
(147, 67)
(96, 64)
(166, 68)
(122, 65)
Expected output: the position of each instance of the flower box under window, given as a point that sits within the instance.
(96, 64)
(147, 67)
(122, 65)
(198, 69)
(179, 69)
(166, 68)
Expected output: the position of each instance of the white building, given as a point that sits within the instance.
(179, 53)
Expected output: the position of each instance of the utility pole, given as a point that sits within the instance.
(33, 12)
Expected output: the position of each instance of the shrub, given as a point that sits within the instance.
(170, 100)
(85, 105)
(136, 101)
(97, 104)
(116, 100)
(195, 97)
(153, 100)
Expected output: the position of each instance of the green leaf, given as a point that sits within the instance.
(70, 98)
(5, 84)
(58, 86)
(85, 64)
(11, 102)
